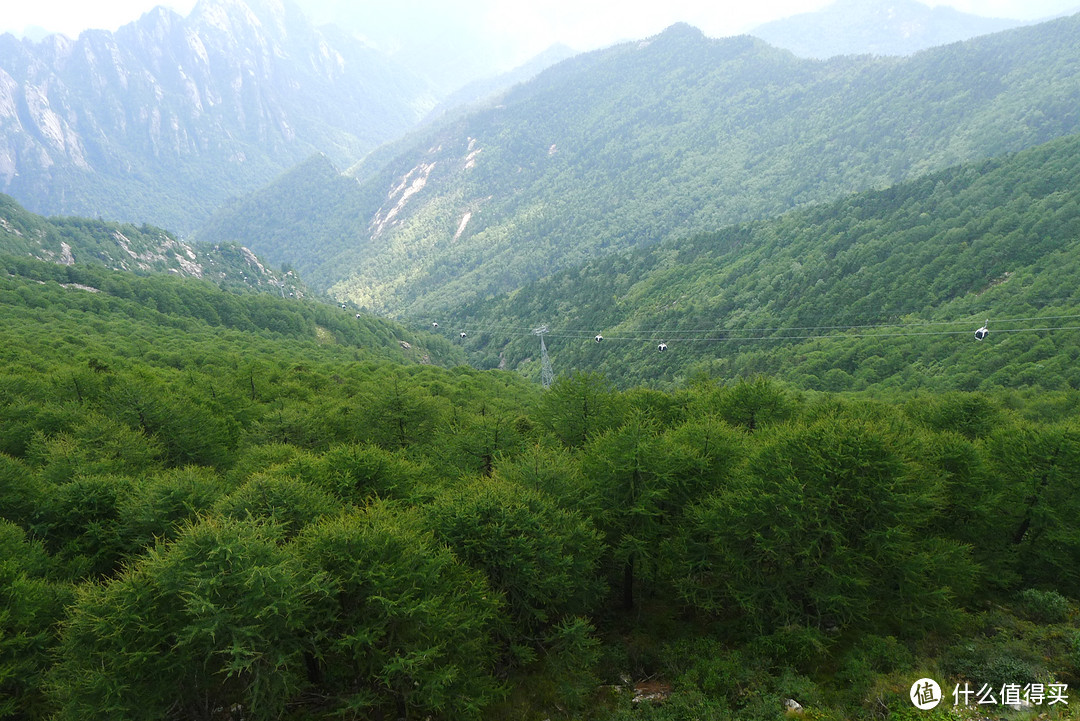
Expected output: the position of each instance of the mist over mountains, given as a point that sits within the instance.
(169, 116)
(876, 27)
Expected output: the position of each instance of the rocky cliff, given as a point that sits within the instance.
(165, 118)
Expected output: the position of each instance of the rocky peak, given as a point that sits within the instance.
(239, 21)
(159, 22)
(202, 108)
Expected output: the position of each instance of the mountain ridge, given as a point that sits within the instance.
(144, 250)
(673, 134)
(882, 287)
(881, 27)
(168, 116)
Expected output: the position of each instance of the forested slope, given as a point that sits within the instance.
(627, 146)
(91, 307)
(140, 249)
(909, 273)
(201, 522)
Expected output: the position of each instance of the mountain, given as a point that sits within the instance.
(627, 146)
(138, 249)
(876, 27)
(93, 310)
(168, 117)
(486, 89)
(450, 44)
(880, 289)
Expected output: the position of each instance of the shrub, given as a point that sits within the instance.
(1044, 606)
(220, 617)
(411, 631)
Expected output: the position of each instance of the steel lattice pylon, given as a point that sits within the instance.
(547, 376)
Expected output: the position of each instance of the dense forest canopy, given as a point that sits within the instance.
(216, 504)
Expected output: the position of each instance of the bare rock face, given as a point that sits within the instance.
(167, 117)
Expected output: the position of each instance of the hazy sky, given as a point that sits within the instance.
(533, 24)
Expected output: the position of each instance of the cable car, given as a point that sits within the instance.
(434, 324)
(982, 332)
(462, 334)
(358, 316)
(599, 338)
(662, 347)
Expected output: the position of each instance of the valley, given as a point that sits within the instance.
(681, 378)
(624, 147)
